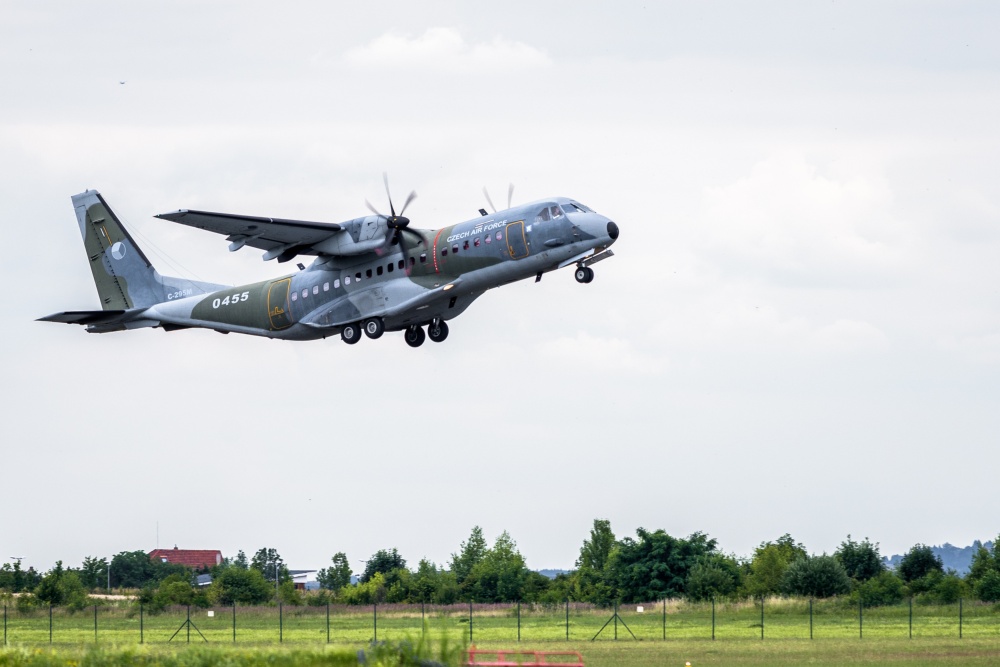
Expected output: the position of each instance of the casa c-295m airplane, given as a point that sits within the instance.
(371, 274)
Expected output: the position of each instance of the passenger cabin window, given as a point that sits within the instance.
(402, 263)
(336, 284)
(368, 273)
(444, 252)
(347, 280)
(465, 246)
(454, 248)
(489, 239)
(499, 235)
(305, 293)
(295, 296)
(357, 276)
(389, 268)
(476, 242)
(316, 289)
(326, 287)
(423, 257)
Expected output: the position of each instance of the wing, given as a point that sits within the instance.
(281, 239)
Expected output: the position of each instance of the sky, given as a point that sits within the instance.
(800, 331)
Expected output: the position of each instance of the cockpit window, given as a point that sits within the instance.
(542, 216)
(579, 207)
(555, 212)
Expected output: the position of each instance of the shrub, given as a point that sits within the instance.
(919, 562)
(883, 589)
(988, 587)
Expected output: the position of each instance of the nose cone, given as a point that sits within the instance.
(612, 230)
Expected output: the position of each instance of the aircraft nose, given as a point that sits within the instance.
(612, 230)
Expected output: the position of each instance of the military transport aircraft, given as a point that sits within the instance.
(371, 274)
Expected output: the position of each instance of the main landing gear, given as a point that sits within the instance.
(414, 335)
(584, 274)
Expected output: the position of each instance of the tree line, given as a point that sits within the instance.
(651, 566)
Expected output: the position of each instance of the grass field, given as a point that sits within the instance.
(700, 653)
(299, 635)
(783, 620)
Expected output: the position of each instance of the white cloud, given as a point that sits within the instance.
(787, 222)
(444, 49)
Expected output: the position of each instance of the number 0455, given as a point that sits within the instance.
(231, 299)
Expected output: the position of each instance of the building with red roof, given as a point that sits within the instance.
(196, 559)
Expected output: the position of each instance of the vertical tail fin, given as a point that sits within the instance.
(124, 276)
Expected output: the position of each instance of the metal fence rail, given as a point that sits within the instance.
(771, 619)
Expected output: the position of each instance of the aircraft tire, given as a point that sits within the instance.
(437, 332)
(414, 336)
(374, 328)
(581, 274)
(351, 333)
(590, 274)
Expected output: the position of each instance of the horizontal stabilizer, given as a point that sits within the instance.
(85, 316)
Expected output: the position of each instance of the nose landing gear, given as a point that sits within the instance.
(584, 274)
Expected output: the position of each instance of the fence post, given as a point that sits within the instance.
(810, 618)
(142, 636)
(281, 624)
(327, 622)
(5, 625)
(234, 621)
(959, 618)
(50, 624)
(664, 619)
(911, 617)
(616, 621)
(95, 623)
(713, 618)
(567, 619)
(189, 625)
(762, 618)
(861, 618)
(470, 621)
(518, 620)
(375, 620)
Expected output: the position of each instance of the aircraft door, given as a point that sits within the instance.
(277, 304)
(517, 244)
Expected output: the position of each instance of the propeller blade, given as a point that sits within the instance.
(385, 179)
(489, 200)
(411, 197)
(373, 209)
(407, 230)
(510, 194)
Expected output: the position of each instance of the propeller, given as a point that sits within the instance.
(398, 223)
(510, 196)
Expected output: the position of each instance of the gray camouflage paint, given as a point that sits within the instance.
(429, 274)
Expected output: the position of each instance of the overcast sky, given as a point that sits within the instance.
(799, 332)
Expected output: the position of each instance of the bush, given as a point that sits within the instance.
(712, 576)
(819, 577)
(883, 589)
(988, 587)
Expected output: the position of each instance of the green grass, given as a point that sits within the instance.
(783, 620)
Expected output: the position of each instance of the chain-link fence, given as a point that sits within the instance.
(759, 619)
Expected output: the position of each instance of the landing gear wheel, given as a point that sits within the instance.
(584, 274)
(414, 336)
(351, 333)
(374, 328)
(437, 331)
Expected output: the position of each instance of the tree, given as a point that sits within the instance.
(241, 560)
(235, 585)
(61, 587)
(135, 569)
(770, 560)
(470, 553)
(498, 576)
(861, 559)
(714, 575)
(918, 562)
(656, 565)
(817, 577)
(988, 587)
(882, 589)
(595, 552)
(384, 561)
(337, 575)
(94, 572)
(269, 563)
